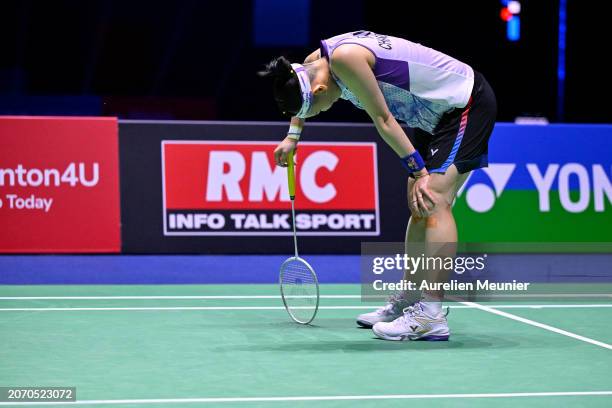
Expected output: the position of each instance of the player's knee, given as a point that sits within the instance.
(437, 204)
(433, 219)
(444, 187)
(436, 213)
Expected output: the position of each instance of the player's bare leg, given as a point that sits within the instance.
(438, 226)
(436, 232)
(415, 233)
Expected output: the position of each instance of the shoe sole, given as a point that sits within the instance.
(430, 337)
(433, 338)
(368, 325)
(364, 324)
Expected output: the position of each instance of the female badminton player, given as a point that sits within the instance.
(452, 109)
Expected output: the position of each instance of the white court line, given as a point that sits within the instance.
(465, 306)
(215, 297)
(537, 324)
(232, 297)
(553, 306)
(550, 295)
(63, 309)
(319, 398)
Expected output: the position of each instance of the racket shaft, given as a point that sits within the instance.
(291, 175)
(291, 181)
(294, 233)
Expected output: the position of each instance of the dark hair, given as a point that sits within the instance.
(286, 85)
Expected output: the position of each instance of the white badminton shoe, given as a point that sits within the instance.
(414, 324)
(387, 313)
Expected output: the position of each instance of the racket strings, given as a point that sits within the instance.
(300, 289)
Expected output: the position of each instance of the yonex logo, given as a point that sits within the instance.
(480, 197)
(591, 186)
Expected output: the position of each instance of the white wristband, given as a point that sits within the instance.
(294, 132)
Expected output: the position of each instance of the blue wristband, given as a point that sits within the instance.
(413, 162)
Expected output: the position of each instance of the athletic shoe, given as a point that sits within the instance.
(389, 312)
(414, 324)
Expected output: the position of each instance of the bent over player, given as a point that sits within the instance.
(451, 107)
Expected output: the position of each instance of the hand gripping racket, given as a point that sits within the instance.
(298, 282)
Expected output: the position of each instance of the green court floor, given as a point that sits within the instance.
(234, 345)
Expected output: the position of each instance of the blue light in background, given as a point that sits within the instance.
(281, 22)
(513, 28)
(561, 60)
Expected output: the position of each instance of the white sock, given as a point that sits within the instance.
(432, 307)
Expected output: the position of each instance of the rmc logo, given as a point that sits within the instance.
(227, 169)
(577, 187)
(235, 188)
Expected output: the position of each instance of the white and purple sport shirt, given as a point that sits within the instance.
(419, 84)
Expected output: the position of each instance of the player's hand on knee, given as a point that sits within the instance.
(281, 153)
(422, 200)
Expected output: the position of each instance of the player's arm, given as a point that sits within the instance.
(289, 143)
(291, 140)
(351, 65)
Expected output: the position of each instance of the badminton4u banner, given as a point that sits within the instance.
(59, 184)
(235, 188)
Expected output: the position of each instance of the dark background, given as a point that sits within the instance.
(188, 59)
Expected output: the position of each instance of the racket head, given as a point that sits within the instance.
(299, 288)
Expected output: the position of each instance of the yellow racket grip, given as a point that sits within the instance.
(291, 174)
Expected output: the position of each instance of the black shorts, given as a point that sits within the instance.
(462, 136)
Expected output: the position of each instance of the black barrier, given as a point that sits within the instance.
(149, 225)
